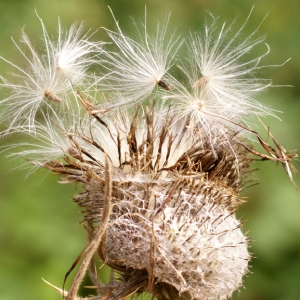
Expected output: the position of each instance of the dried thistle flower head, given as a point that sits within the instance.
(172, 227)
(161, 179)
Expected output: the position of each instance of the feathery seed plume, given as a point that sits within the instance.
(137, 67)
(47, 79)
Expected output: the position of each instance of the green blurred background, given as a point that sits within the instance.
(40, 235)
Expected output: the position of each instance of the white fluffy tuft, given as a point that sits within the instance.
(47, 79)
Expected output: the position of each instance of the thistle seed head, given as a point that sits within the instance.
(161, 172)
(173, 204)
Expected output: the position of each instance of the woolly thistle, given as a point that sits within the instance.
(161, 162)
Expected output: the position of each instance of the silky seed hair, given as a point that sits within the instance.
(49, 75)
(161, 160)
